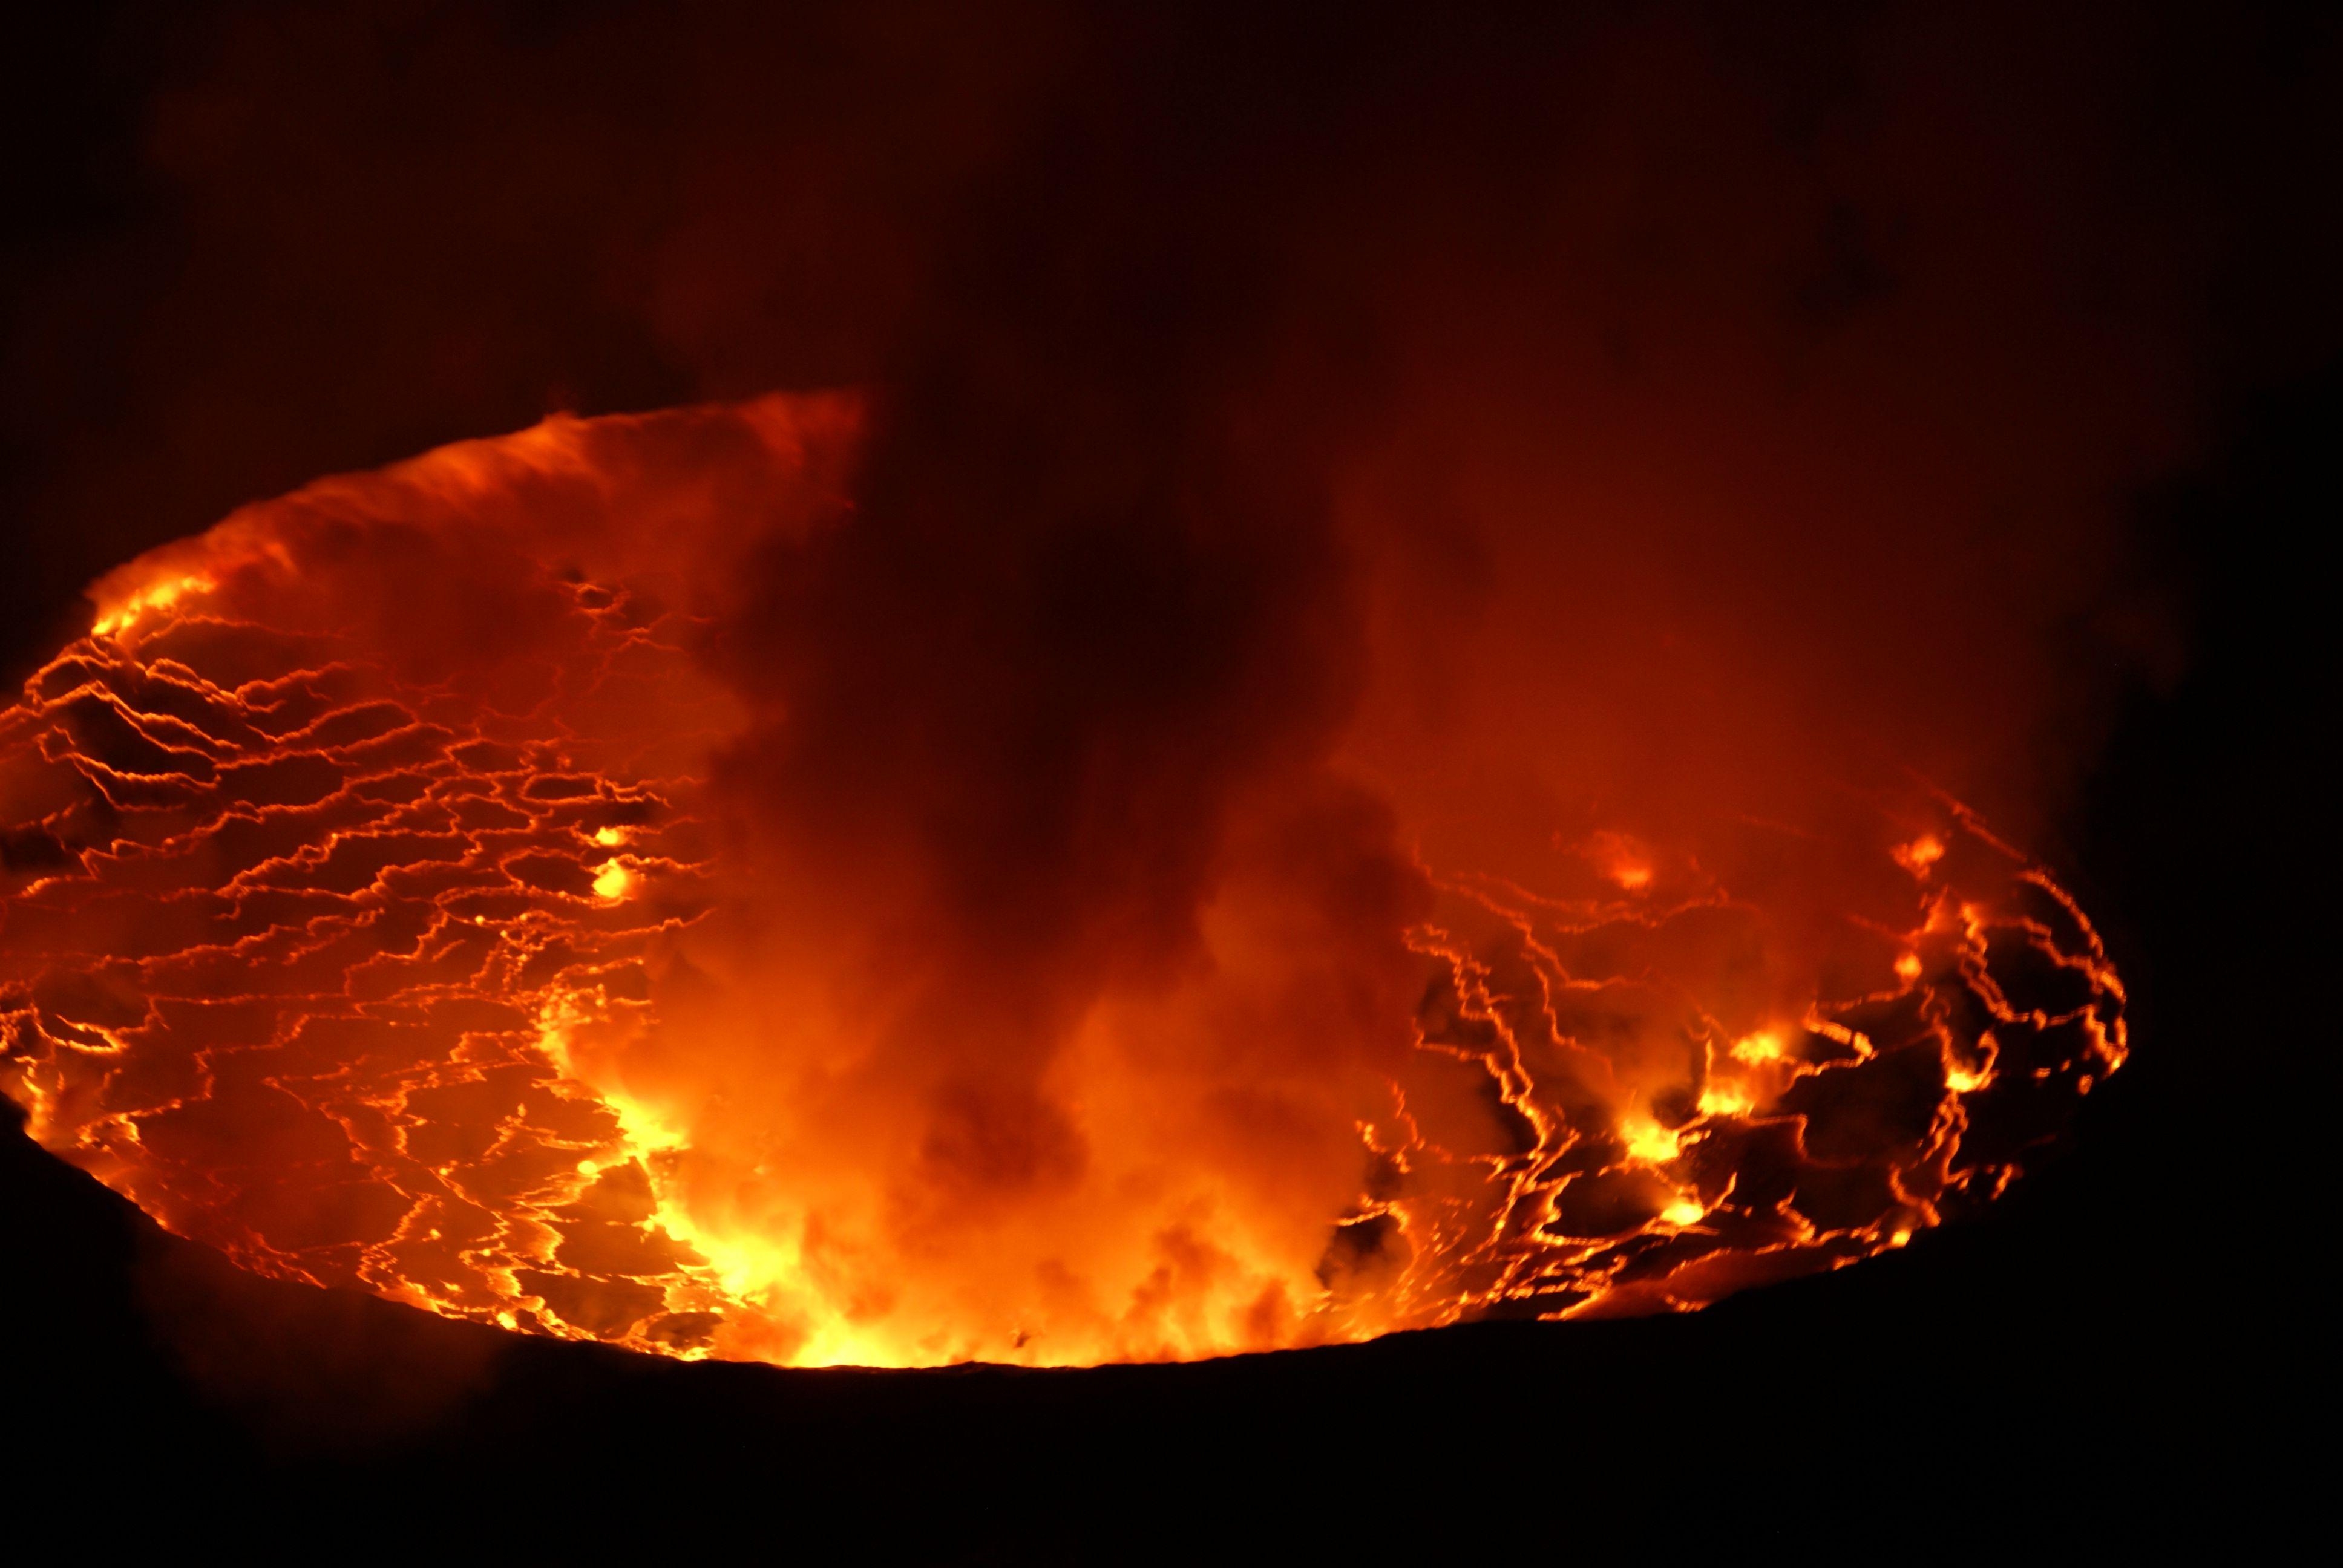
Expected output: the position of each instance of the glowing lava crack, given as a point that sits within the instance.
(342, 912)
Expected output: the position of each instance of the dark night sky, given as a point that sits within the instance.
(2087, 256)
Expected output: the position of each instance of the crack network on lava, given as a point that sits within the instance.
(321, 965)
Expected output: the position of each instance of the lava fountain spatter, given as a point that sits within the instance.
(372, 913)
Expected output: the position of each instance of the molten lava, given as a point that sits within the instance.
(382, 907)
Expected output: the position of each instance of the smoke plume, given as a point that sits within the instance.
(1266, 474)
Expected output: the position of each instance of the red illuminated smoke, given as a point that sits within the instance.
(591, 881)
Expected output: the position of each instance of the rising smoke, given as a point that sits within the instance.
(1287, 461)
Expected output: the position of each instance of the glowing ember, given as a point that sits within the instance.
(384, 936)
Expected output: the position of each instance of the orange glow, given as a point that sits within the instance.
(480, 954)
(1917, 856)
(1650, 1142)
(157, 596)
(1723, 1100)
(1621, 858)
